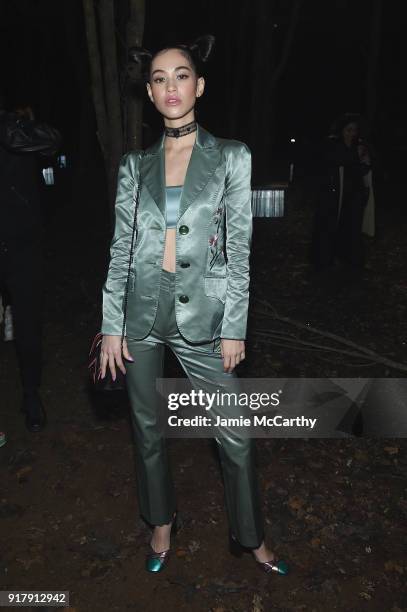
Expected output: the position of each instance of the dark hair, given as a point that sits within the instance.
(341, 122)
(197, 53)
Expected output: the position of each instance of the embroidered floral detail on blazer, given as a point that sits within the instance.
(215, 240)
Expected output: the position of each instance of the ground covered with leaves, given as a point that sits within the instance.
(336, 509)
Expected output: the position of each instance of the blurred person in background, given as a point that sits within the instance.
(341, 214)
(6, 316)
(22, 139)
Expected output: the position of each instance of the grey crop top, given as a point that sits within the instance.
(172, 197)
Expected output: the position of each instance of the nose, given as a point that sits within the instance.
(171, 84)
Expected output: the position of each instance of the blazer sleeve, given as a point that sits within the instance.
(238, 211)
(114, 287)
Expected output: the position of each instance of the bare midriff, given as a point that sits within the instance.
(176, 164)
(169, 250)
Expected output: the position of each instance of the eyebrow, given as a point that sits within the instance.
(177, 68)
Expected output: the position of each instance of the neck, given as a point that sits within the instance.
(177, 123)
(186, 136)
(176, 144)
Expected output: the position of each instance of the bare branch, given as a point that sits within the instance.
(359, 351)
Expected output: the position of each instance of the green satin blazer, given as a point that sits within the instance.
(214, 231)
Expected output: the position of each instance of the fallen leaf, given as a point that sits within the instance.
(23, 471)
(362, 456)
(392, 566)
(257, 603)
(27, 563)
(295, 502)
(391, 450)
(193, 546)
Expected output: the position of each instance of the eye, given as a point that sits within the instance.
(158, 79)
(183, 76)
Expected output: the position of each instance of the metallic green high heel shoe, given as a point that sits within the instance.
(279, 566)
(156, 561)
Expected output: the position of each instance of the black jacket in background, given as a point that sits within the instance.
(21, 141)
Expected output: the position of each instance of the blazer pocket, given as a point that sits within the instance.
(216, 287)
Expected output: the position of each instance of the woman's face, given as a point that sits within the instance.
(350, 133)
(174, 86)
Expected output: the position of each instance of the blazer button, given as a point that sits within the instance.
(184, 299)
(185, 264)
(184, 229)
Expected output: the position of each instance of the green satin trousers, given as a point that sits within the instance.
(202, 364)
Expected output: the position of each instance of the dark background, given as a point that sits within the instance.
(336, 509)
(43, 50)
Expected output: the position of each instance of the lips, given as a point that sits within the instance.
(172, 101)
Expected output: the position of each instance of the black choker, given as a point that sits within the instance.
(181, 131)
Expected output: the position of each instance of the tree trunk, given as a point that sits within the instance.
(238, 67)
(288, 42)
(85, 135)
(112, 92)
(134, 89)
(261, 85)
(96, 77)
(373, 57)
(263, 103)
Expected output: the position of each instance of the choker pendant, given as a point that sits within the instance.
(188, 128)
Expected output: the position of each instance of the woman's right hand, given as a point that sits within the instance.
(111, 355)
(363, 154)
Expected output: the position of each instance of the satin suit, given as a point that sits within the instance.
(190, 310)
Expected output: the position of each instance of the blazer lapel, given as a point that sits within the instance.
(153, 173)
(204, 160)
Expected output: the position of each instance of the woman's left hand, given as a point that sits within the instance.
(233, 352)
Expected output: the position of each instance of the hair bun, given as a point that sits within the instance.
(203, 46)
(140, 55)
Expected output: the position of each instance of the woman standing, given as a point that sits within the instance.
(188, 290)
(343, 197)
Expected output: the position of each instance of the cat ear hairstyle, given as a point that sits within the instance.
(202, 47)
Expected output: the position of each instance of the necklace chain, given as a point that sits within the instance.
(188, 128)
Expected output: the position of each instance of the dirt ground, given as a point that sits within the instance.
(336, 509)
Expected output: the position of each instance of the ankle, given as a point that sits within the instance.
(263, 553)
(162, 529)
